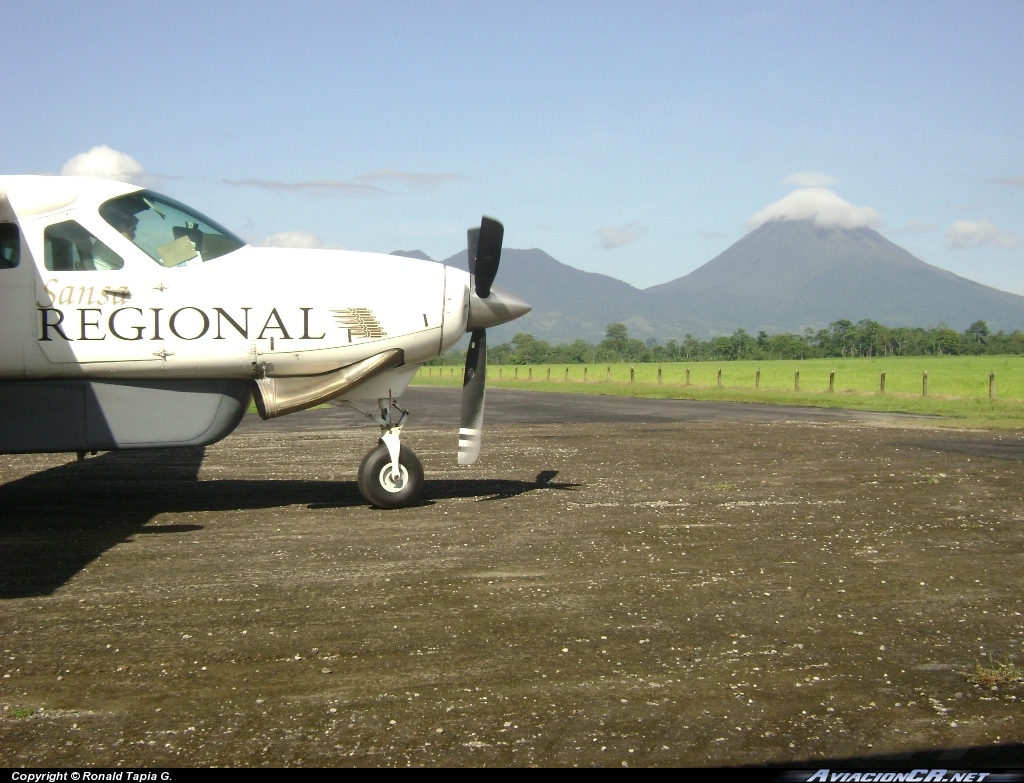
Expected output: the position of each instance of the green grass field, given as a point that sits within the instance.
(958, 386)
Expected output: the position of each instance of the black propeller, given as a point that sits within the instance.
(472, 243)
(474, 381)
(488, 254)
(484, 248)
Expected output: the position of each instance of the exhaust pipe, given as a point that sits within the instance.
(279, 396)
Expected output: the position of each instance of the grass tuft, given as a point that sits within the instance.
(1002, 674)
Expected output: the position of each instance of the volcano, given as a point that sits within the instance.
(788, 275)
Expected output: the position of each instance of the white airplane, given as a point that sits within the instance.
(129, 320)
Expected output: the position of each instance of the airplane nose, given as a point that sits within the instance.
(499, 307)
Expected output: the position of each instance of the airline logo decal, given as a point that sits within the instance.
(185, 323)
(359, 321)
(82, 314)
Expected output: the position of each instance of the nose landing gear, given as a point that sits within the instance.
(391, 475)
(380, 487)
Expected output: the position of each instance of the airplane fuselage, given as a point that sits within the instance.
(82, 303)
(252, 311)
(129, 320)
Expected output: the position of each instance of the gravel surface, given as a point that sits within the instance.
(639, 592)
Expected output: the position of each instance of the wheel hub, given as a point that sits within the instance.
(391, 484)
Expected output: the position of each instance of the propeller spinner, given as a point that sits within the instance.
(488, 306)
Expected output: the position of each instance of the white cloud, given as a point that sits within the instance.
(299, 239)
(322, 188)
(610, 237)
(414, 180)
(810, 179)
(965, 234)
(917, 227)
(1013, 182)
(102, 161)
(362, 186)
(822, 206)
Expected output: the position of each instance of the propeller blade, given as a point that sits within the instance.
(488, 254)
(471, 421)
(472, 243)
(483, 246)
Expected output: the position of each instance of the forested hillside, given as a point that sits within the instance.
(840, 339)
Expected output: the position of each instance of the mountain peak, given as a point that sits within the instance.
(412, 254)
(568, 303)
(791, 274)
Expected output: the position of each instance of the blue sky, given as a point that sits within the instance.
(636, 140)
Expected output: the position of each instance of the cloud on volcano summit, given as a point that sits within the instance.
(820, 205)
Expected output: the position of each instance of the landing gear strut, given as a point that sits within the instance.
(391, 475)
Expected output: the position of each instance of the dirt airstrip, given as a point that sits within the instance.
(643, 588)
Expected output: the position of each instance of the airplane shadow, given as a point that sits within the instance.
(499, 490)
(55, 522)
(484, 489)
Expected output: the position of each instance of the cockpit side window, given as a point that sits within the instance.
(166, 230)
(69, 247)
(10, 246)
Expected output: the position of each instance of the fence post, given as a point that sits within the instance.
(796, 381)
(881, 387)
(430, 372)
(659, 375)
(757, 378)
(632, 378)
(832, 381)
(719, 377)
(584, 374)
(608, 374)
(451, 372)
(567, 373)
(515, 374)
(549, 373)
(530, 371)
(500, 370)
(687, 376)
(924, 384)
(991, 385)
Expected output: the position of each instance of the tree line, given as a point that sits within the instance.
(840, 339)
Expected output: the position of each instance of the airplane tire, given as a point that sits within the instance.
(376, 484)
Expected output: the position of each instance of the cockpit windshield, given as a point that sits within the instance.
(166, 230)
